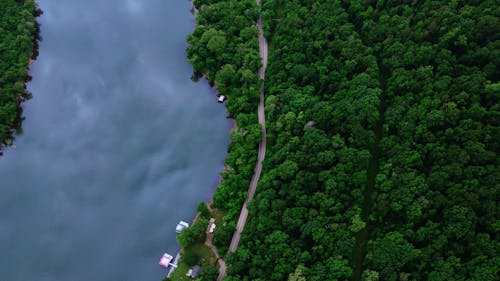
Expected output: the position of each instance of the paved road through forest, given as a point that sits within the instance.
(263, 50)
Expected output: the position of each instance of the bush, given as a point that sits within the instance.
(190, 258)
(222, 237)
(202, 208)
(194, 234)
(208, 273)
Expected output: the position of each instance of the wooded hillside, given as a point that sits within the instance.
(382, 120)
(19, 36)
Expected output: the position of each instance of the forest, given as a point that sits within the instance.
(224, 48)
(19, 37)
(383, 133)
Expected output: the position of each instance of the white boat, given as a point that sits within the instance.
(221, 98)
(180, 226)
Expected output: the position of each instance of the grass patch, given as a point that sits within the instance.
(205, 254)
(199, 249)
(218, 215)
(179, 273)
(223, 233)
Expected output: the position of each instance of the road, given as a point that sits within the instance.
(263, 50)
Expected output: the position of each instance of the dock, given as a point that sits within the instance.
(174, 264)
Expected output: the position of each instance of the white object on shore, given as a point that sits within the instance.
(212, 228)
(180, 226)
(193, 271)
(221, 98)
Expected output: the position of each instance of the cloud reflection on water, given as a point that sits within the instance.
(119, 145)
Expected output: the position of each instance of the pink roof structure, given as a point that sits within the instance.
(165, 260)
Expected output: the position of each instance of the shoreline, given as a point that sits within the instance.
(195, 78)
(195, 10)
(229, 192)
(26, 95)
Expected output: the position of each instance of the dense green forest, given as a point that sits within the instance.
(383, 133)
(19, 36)
(224, 47)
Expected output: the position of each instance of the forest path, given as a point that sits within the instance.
(209, 244)
(263, 50)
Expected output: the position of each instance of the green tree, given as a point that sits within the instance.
(215, 40)
(19, 37)
(194, 234)
(298, 274)
(203, 210)
(370, 275)
(208, 273)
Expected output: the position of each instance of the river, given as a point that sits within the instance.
(118, 145)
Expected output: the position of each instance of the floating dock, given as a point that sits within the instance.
(174, 264)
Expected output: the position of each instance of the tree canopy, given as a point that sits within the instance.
(382, 121)
(19, 36)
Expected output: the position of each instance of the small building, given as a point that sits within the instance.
(221, 98)
(165, 260)
(180, 226)
(193, 271)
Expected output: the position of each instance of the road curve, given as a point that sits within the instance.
(263, 50)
